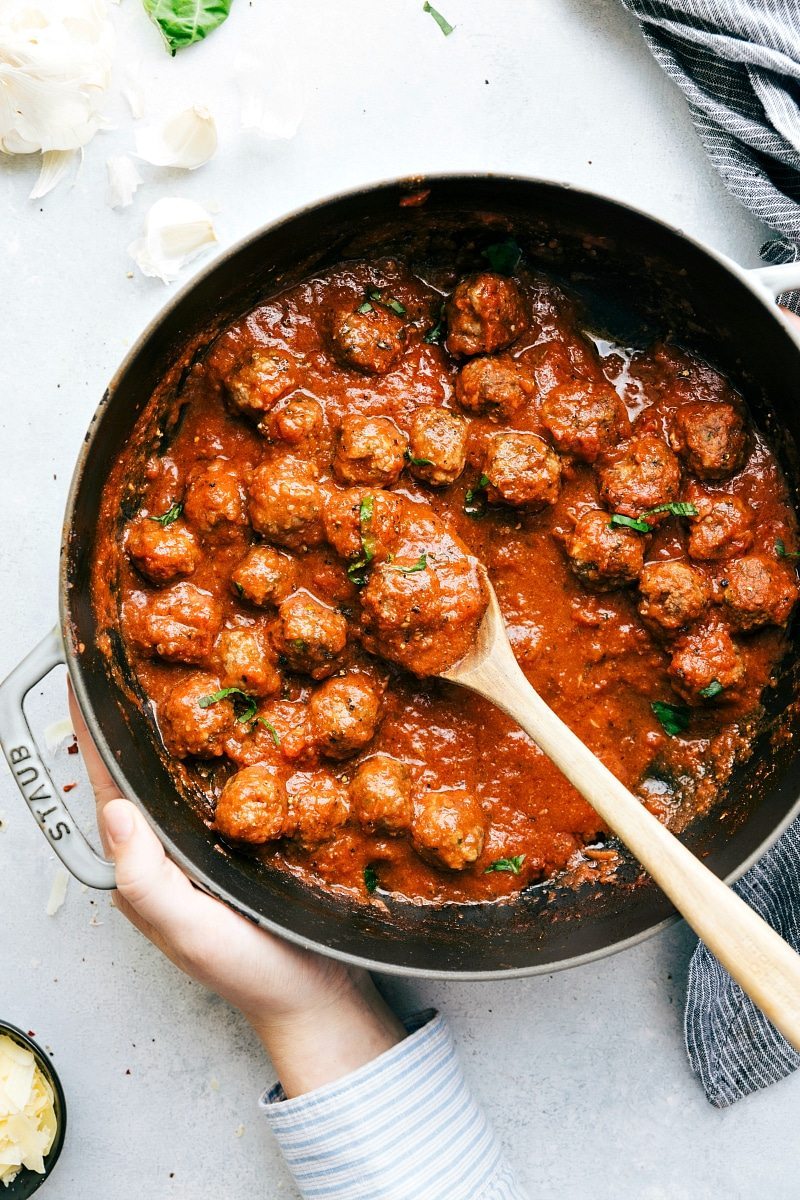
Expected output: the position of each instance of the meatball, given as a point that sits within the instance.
(758, 591)
(162, 554)
(252, 806)
(309, 636)
(372, 341)
(705, 665)
(264, 576)
(299, 419)
(343, 715)
(485, 313)
(357, 515)
(522, 470)
(493, 387)
(285, 504)
(709, 437)
(380, 793)
(673, 594)
(585, 419)
(318, 806)
(449, 828)
(180, 624)
(721, 529)
(603, 556)
(189, 730)
(214, 502)
(248, 662)
(645, 475)
(437, 445)
(259, 380)
(370, 450)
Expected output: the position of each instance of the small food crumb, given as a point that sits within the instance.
(68, 787)
(239, 1131)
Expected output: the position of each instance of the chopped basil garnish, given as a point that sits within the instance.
(270, 728)
(441, 21)
(475, 500)
(300, 645)
(503, 256)
(782, 552)
(366, 307)
(356, 572)
(713, 689)
(172, 514)
(678, 508)
(435, 334)
(370, 879)
(418, 462)
(419, 565)
(374, 297)
(673, 718)
(512, 865)
(620, 520)
(244, 706)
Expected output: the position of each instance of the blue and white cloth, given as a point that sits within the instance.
(738, 64)
(402, 1127)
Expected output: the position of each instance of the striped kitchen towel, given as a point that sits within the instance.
(738, 64)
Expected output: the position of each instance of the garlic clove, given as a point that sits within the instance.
(55, 164)
(187, 140)
(123, 180)
(175, 232)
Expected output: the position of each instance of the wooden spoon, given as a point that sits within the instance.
(759, 960)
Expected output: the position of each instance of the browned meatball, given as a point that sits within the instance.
(709, 437)
(248, 662)
(190, 730)
(449, 829)
(673, 594)
(180, 624)
(214, 502)
(252, 806)
(299, 419)
(162, 554)
(706, 665)
(722, 527)
(603, 556)
(372, 342)
(343, 714)
(585, 419)
(285, 504)
(309, 636)
(370, 450)
(522, 470)
(485, 313)
(380, 793)
(264, 576)
(758, 591)
(645, 475)
(493, 387)
(318, 806)
(259, 380)
(358, 514)
(437, 447)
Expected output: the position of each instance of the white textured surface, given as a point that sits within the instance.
(583, 1072)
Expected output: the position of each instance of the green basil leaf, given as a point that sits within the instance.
(366, 307)
(503, 257)
(370, 879)
(713, 689)
(511, 865)
(244, 706)
(183, 22)
(436, 334)
(441, 21)
(620, 520)
(419, 565)
(678, 508)
(782, 552)
(167, 518)
(418, 462)
(474, 500)
(270, 728)
(673, 718)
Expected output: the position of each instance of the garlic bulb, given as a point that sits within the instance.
(185, 140)
(55, 67)
(123, 180)
(175, 232)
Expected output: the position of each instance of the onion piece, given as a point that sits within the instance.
(123, 180)
(186, 140)
(175, 232)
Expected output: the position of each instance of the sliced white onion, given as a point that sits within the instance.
(187, 140)
(175, 232)
(123, 180)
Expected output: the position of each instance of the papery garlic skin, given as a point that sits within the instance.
(123, 180)
(55, 67)
(175, 232)
(186, 140)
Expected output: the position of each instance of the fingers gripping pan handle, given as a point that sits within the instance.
(33, 779)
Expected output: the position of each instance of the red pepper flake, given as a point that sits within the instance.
(69, 786)
(31, 1033)
(415, 199)
(72, 748)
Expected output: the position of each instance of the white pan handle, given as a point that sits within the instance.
(782, 278)
(32, 776)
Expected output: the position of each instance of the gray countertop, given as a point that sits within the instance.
(584, 1072)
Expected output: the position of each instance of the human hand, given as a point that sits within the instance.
(317, 1018)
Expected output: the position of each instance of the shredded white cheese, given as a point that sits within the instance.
(27, 1112)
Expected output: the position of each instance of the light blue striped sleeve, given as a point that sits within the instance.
(402, 1127)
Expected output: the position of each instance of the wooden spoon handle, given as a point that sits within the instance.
(763, 965)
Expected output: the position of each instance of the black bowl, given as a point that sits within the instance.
(27, 1182)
